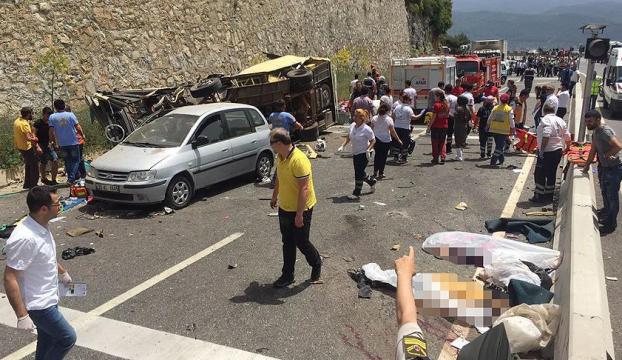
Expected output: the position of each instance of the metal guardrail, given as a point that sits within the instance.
(585, 327)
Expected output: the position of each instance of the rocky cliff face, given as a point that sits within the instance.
(149, 43)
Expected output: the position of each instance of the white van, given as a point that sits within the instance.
(612, 83)
(424, 73)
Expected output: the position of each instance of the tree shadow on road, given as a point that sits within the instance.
(266, 294)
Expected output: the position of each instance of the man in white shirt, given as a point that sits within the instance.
(551, 99)
(411, 92)
(553, 135)
(563, 97)
(31, 277)
(353, 82)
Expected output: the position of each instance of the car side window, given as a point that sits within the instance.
(212, 129)
(238, 123)
(257, 119)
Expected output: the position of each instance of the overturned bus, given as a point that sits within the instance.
(306, 84)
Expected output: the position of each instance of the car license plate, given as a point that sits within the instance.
(106, 187)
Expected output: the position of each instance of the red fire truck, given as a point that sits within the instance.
(478, 70)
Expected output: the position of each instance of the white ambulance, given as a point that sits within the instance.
(424, 73)
(612, 83)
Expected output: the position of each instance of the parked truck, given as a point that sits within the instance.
(490, 48)
(478, 70)
(424, 73)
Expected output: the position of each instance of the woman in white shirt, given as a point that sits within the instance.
(363, 140)
(384, 130)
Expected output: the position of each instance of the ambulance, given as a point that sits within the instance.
(424, 73)
(612, 83)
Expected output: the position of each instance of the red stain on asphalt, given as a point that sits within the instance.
(358, 343)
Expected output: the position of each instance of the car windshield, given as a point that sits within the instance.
(467, 67)
(167, 131)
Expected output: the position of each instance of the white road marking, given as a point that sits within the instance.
(84, 320)
(448, 352)
(131, 341)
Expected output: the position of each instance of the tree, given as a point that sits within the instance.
(52, 65)
(437, 12)
(455, 42)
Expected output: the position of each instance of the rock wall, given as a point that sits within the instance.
(149, 43)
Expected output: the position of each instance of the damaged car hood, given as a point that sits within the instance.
(126, 158)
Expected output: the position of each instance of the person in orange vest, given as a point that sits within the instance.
(500, 126)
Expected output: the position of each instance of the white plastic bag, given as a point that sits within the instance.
(502, 273)
(482, 250)
(544, 317)
(523, 335)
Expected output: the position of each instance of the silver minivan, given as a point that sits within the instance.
(189, 148)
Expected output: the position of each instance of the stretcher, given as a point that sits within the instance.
(578, 153)
(527, 141)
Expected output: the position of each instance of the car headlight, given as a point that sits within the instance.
(136, 176)
(92, 172)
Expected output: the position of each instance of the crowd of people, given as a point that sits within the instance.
(55, 135)
(32, 274)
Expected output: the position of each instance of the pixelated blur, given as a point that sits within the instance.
(443, 294)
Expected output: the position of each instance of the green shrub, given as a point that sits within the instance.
(9, 156)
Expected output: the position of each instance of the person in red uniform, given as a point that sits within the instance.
(491, 90)
(438, 128)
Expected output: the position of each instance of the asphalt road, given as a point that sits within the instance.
(238, 307)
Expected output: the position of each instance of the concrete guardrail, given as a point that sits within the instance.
(585, 326)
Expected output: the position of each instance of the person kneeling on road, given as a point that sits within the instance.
(293, 191)
(32, 274)
(606, 144)
(410, 341)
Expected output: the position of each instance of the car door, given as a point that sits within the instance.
(243, 138)
(214, 158)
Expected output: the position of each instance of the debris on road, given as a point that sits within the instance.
(396, 247)
(348, 259)
(361, 207)
(459, 343)
(611, 278)
(58, 219)
(530, 327)
(70, 203)
(380, 203)
(100, 233)
(78, 231)
(168, 210)
(325, 256)
(232, 266)
(273, 214)
(77, 251)
(536, 230)
(461, 206)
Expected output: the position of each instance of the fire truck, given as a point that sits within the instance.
(478, 70)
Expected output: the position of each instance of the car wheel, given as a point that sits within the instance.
(206, 87)
(325, 97)
(179, 192)
(264, 165)
(300, 80)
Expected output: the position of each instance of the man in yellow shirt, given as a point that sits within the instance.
(294, 193)
(26, 142)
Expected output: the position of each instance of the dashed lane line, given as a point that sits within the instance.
(85, 321)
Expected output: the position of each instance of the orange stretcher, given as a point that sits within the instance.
(578, 153)
(527, 141)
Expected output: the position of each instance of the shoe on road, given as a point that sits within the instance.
(283, 282)
(353, 197)
(605, 230)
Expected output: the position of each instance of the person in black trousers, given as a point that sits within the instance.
(384, 129)
(293, 191)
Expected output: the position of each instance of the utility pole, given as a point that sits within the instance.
(587, 92)
(595, 49)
